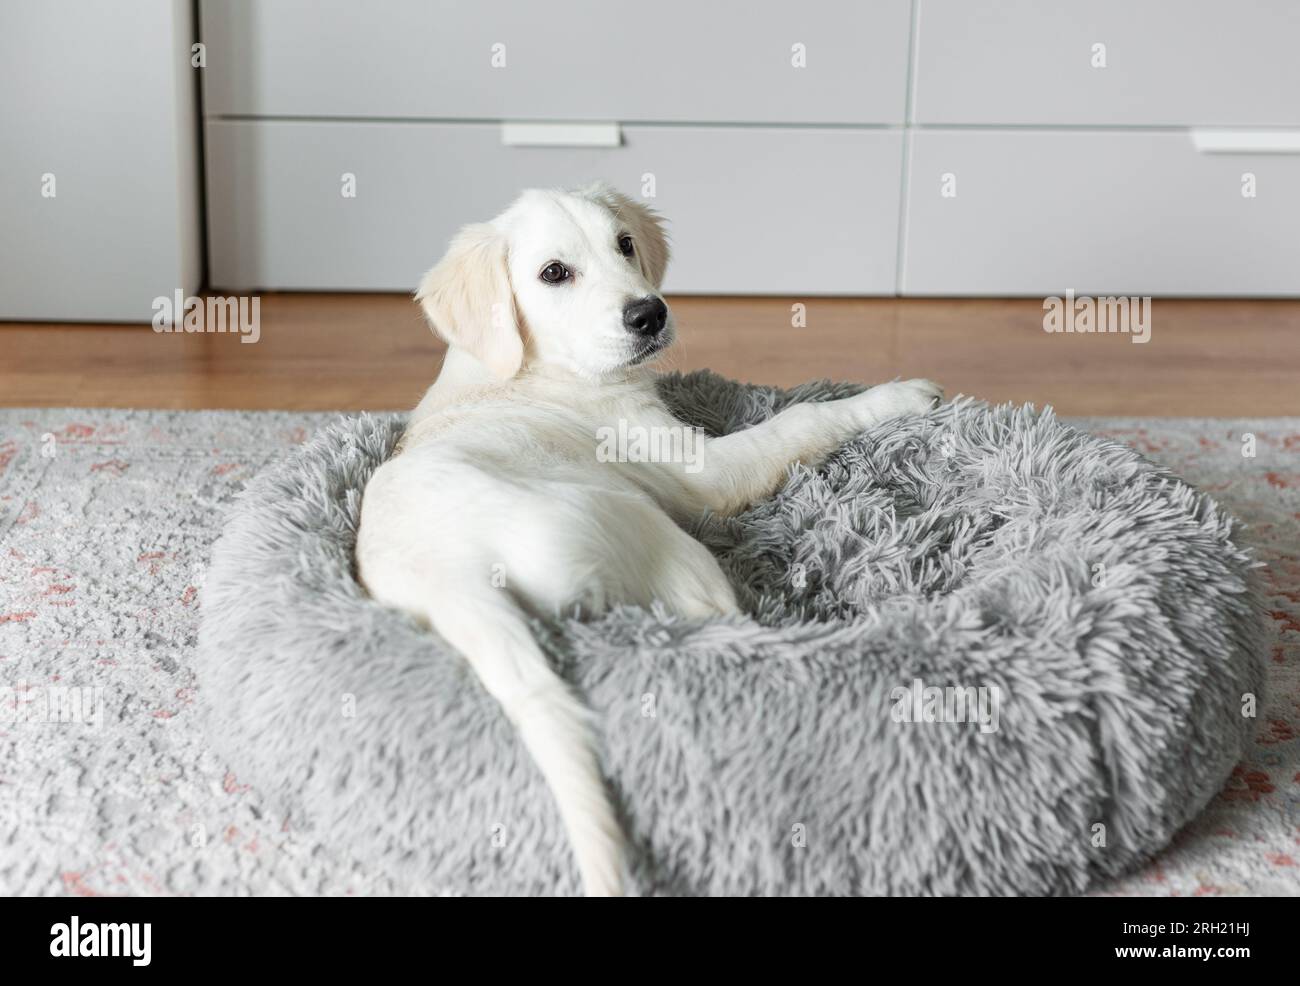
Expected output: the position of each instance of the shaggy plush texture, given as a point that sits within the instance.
(1097, 608)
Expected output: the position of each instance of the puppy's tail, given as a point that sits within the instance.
(492, 634)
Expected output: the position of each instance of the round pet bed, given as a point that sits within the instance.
(984, 653)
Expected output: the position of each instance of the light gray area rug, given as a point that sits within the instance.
(107, 519)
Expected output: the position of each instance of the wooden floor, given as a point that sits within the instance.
(1205, 358)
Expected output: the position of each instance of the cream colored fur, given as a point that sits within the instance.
(497, 506)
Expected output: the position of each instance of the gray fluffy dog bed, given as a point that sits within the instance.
(1099, 603)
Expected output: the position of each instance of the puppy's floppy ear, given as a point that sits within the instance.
(468, 300)
(645, 226)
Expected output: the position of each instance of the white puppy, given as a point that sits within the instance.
(497, 505)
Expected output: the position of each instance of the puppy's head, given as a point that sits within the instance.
(563, 278)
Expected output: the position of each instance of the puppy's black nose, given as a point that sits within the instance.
(645, 316)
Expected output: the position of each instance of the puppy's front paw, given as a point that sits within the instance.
(890, 400)
(919, 395)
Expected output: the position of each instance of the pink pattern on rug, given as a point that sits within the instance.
(105, 544)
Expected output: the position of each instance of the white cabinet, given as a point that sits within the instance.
(1131, 212)
(732, 61)
(773, 135)
(99, 163)
(1108, 62)
(751, 210)
(768, 134)
(796, 149)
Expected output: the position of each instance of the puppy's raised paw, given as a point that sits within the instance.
(890, 400)
(920, 395)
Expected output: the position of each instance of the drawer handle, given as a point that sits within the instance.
(561, 134)
(1247, 141)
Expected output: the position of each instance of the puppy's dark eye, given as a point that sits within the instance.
(625, 245)
(555, 273)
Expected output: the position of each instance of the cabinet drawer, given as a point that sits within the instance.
(1168, 62)
(675, 60)
(1126, 213)
(751, 210)
(99, 181)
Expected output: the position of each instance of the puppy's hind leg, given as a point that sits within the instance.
(689, 580)
(647, 558)
(492, 634)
